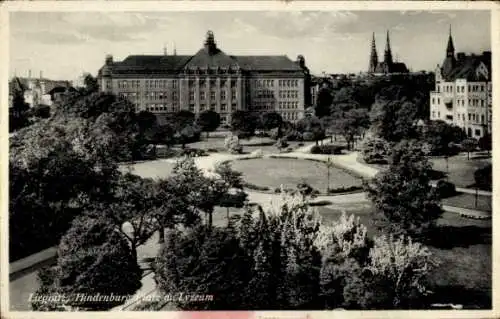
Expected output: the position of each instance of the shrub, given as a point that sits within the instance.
(300, 144)
(327, 149)
(483, 178)
(255, 187)
(273, 133)
(308, 136)
(375, 151)
(445, 189)
(193, 152)
(344, 189)
(232, 144)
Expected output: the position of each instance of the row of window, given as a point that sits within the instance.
(288, 105)
(266, 83)
(213, 107)
(161, 108)
(212, 82)
(461, 88)
(290, 116)
(288, 83)
(213, 94)
(472, 117)
(461, 102)
(288, 94)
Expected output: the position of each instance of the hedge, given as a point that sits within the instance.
(327, 149)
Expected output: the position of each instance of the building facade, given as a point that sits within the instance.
(387, 66)
(463, 91)
(36, 91)
(210, 80)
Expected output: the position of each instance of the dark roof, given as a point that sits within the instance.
(203, 59)
(399, 67)
(466, 66)
(267, 63)
(134, 64)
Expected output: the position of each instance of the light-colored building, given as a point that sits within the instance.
(210, 80)
(36, 91)
(463, 91)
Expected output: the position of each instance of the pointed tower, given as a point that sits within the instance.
(388, 53)
(449, 62)
(373, 56)
(450, 49)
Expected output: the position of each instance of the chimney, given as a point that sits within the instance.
(29, 74)
(41, 75)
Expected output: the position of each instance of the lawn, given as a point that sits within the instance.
(460, 169)
(468, 201)
(289, 172)
(265, 144)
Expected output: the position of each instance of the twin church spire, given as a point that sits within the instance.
(374, 57)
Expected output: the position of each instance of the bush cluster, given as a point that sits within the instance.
(193, 152)
(445, 189)
(344, 189)
(375, 151)
(327, 149)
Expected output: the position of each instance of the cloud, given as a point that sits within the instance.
(51, 38)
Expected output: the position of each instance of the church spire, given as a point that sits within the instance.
(388, 53)
(450, 49)
(373, 56)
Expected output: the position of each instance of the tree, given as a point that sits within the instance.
(182, 119)
(41, 111)
(405, 202)
(91, 83)
(131, 209)
(209, 263)
(243, 123)
(323, 102)
(399, 267)
(441, 136)
(344, 246)
(18, 112)
(485, 143)
(234, 196)
(311, 125)
(393, 120)
(352, 123)
(469, 145)
(484, 178)
(208, 121)
(92, 259)
(271, 120)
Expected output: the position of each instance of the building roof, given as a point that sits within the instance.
(209, 57)
(466, 67)
(175, 63)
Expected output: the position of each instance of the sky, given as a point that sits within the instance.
(63, 45)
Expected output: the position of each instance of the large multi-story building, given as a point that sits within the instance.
(210, 80)
(463, 91)
(388, 66)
